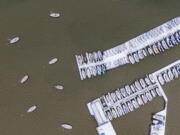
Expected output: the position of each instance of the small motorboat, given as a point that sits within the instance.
(54, 15)
(119, 110)
(135, 103)
(151, 77)
(136, 57)
(130, 106)
(160, 79)
(153, 93)
(149, 96)
(140, 54)
(53, 61)
(118, 94)
(150, 51)
(123, 92)
(98, 69)
(128, 90)
(24, 79)
(66, 126)
(155, 48)
(164, 44)
(114, 97)
(131, 59)
(32, 108)
(59, 87)
(83, 73)
(88, 72)
(147, 80)
(160, 47)
(132, 88)
(166, 78)
(144, 98)
(158, 91)
(145, 52)
(14, 40)
(138, 85)
(125, 108)
(109, 116)
(139, 100)
(175, 72)
(113, 112)
(170, 75)
(142, 82)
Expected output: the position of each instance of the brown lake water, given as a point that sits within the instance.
(84, 25)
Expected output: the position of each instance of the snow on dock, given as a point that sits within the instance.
(152, 42)
(124, 100)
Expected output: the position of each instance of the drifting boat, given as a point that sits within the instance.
(160, 79)
(131, 59)
(53, 61)
(59, 87)
(123, 92)
(54, 15)
(32, 108)
(135, 104)
(136, 57)
(14, 40)
(175, 73)
(139, 100)
(129, 104)
(170, 75)
(140, 54)
(142, 82)
(149, 96)
(66, 126)
(128, 90)
(24, 79)
(166, 78)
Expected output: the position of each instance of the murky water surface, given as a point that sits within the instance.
(84, 25)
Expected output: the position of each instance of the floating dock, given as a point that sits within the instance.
(152, 42)
(124, 100)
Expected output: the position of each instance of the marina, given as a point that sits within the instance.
(133, 51)
(124, 100)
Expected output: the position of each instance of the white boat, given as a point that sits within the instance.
(53, 61)
(83, 73)
(153, 93)
(109, 116)
(113, 112)
(59, 87)
(132, 88)
(113, 96)
(135, 104)
(144, 52)
(24, 79)
(160, 79)
(110, 98)
(66, 126)
(140, 54)
(166, 78)
(54, 15)
(158, 92)
(164, 45)
(139, 100)
(131, 59)
(123, 92)
(144, 98)
(14, 40)
(120, 111)
(147, 80)
(170, 74)
(128, 90)
(160, 47)
(151, 77)
(137, 84)
(125, 108)
(142, 82)
(88, 72)
(130, 106)
(136, 57)
(32, 108)
(155, 49)
(175, 72)
(150, 51)
(149, 96)
(118, 94)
